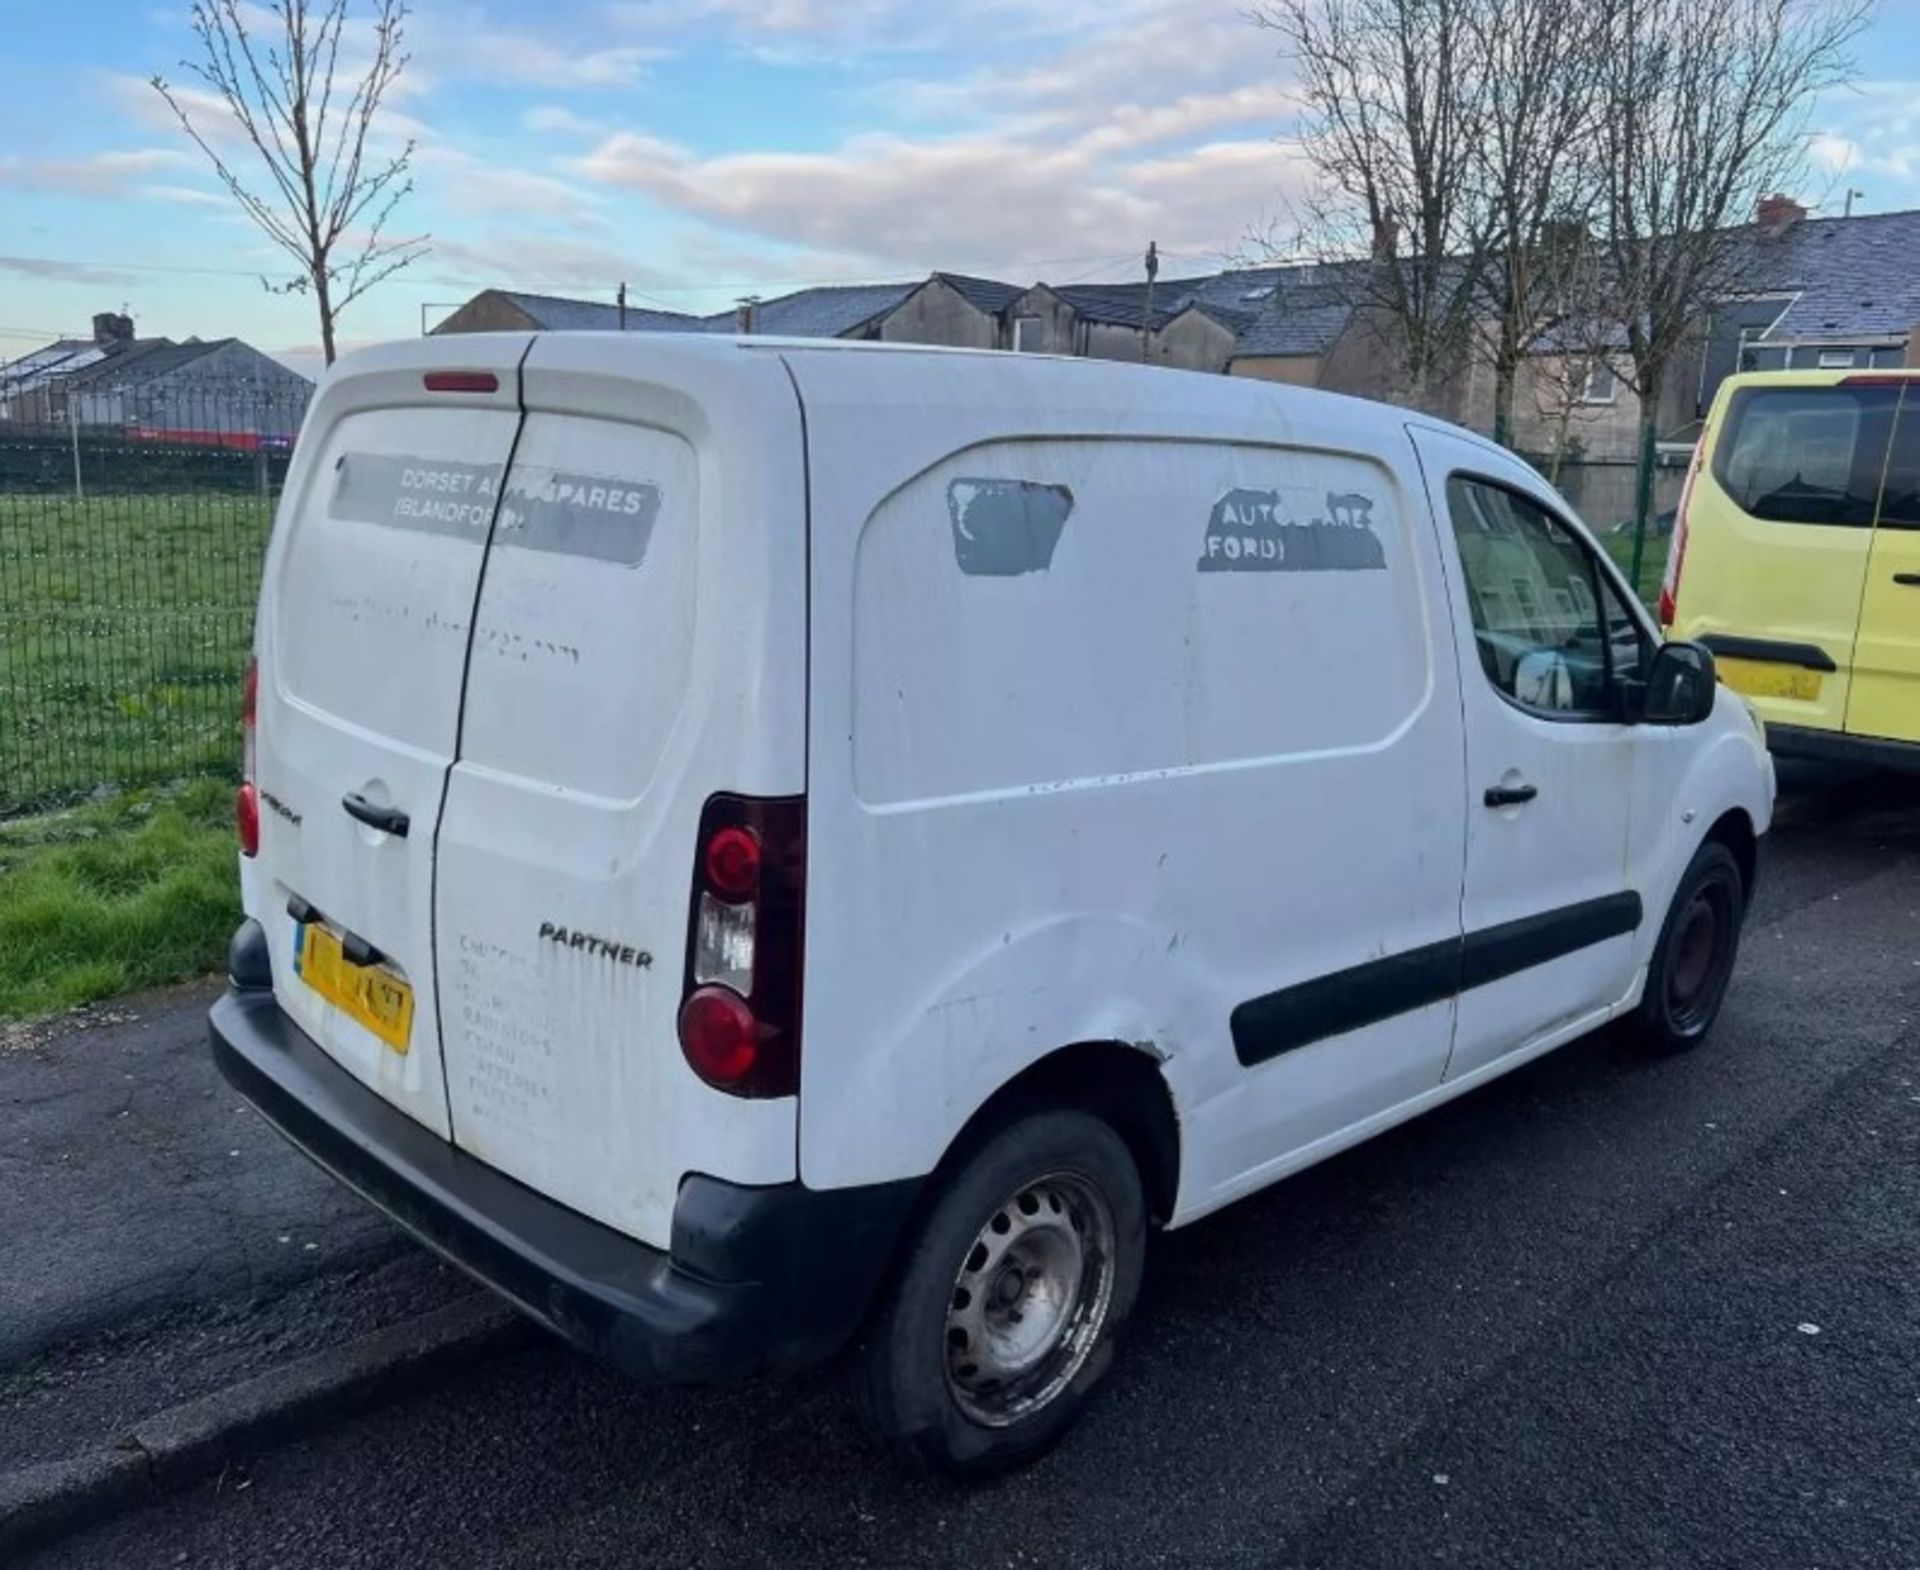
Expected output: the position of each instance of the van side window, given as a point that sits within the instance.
(1806, 454)
(1900, 501)
(1535, 596)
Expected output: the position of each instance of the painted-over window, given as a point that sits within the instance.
(1031, 615)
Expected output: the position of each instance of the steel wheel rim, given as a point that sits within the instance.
(1030, 1299)
(1698, 960)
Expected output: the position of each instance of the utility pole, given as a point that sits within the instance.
(73, 428)
(621, 300)
(1153, 272)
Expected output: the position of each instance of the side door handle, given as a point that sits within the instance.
(388, 820)
(1910, 579)
(1510, 795)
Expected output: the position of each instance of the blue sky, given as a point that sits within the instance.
(701, 149)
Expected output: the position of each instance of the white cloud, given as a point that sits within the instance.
(45, 269)
(185, 196)
(470, 184)
(984, 200)
(94, 174)
(556, 117)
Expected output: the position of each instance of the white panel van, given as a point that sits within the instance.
(756, 848)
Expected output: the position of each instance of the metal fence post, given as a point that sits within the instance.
(73, 426)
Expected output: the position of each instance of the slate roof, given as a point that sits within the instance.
(1301, 329)
(1836, 278)
(984, 294)
(1854, 277)
(558, 314)
(142, 360)
(1125, 304)
(825, 312)
(1299, 308)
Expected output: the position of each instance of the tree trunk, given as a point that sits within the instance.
(1503, 384)
(324, 298)
(1643, 479)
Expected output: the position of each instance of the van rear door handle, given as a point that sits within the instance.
(388, 820)
(1910, 579)
(1510, 795)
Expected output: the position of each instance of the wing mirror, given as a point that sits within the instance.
(1679, 685)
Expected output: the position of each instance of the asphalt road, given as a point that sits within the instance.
(1609, 1311)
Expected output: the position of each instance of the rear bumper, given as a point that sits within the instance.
(756, 1277)
(1826, 746)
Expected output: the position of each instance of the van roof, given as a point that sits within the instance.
(1127, 385)
(1830, 378)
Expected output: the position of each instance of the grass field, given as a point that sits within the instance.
(124, 623)
(115, 896)
(1652, 565)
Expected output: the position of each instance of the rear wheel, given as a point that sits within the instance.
(1693, 961)
(1005, 1312)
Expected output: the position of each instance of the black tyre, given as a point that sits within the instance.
(1693, 962)
(1005, 1310)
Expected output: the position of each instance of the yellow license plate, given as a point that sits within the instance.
(372, 994)
(1763, 679)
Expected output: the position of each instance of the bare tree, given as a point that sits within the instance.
(1704, 112)
(1541, 61)
(1395, 117)
(325, 201)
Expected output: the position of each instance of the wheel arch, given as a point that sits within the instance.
(1734, 829)
(1116, 1081)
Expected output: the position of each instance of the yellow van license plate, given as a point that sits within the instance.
(1763, 679)
(372, 994)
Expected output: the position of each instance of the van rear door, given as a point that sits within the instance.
(1886, 669)
(370, 585)
(639, 646)
(1779, 532)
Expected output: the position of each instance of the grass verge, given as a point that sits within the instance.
(1653, 563)
(116, 896)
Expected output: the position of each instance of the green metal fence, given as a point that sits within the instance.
(130, 554)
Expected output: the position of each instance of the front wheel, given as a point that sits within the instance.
(1693, 961)
(1007, 1304)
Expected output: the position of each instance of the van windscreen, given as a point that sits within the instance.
(1807, 454)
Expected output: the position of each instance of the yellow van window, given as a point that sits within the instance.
(1900, 502)
(1807, 454)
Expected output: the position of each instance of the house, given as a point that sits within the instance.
(508, 310)
(217, 391)
(950, 309)
(1832, 292)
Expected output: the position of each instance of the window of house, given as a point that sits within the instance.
(1836, 359)
(1549, 629)
(1596, 382)
(1811, 455)
(1029, 334)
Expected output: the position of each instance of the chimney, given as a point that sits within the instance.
(745, 311)
(1778, 214)
(1386, 235)
(111, 330)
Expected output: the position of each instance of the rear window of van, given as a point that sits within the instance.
(1811, 455)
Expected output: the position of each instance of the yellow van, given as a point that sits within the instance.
(1796, 558)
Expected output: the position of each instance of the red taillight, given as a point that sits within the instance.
(720, 1036)
(1677, 546)
(462, 381)
(246, 806)
(246, 819)
(740, 1014)
(733, 863)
